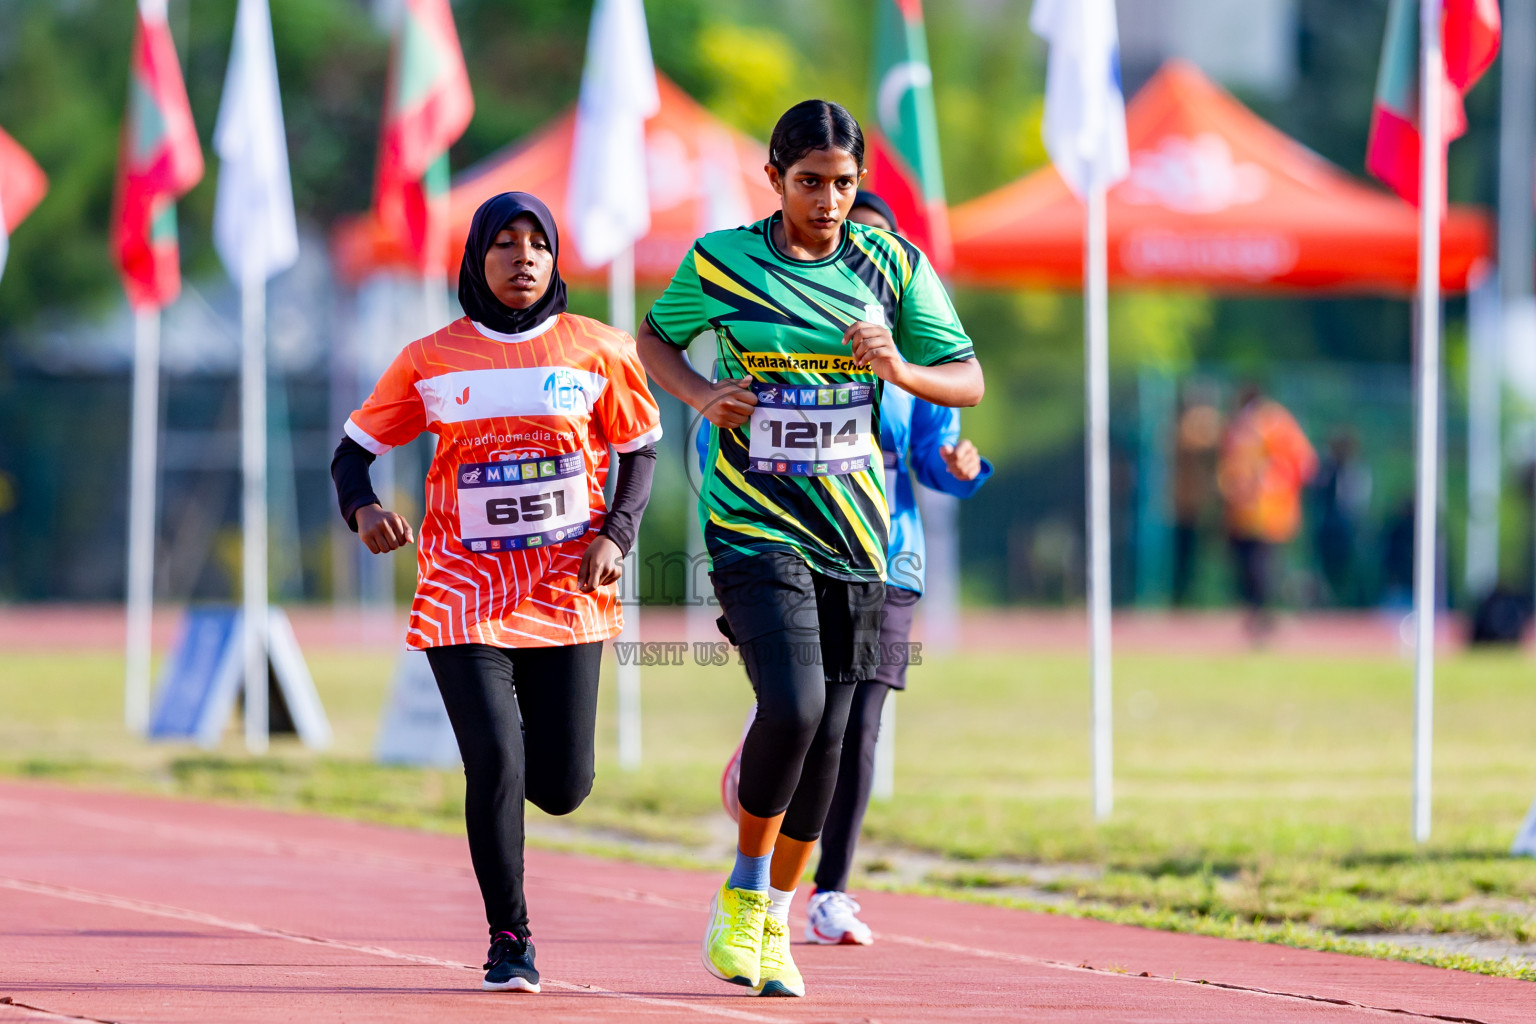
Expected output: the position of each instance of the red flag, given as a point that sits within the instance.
(1470, 41)
(160, 160)
(428, 106)
(22, 183)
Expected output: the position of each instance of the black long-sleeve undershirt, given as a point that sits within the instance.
(631, 489)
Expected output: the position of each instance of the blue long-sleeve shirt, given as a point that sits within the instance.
(911, 433)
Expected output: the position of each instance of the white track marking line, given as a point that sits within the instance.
(260, 844)
(198, 917)
(636, 896)
(1062, 965)
(12, 1010)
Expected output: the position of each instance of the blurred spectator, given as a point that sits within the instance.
(1196, 443)
(1265, 461)
(1343, 497)
(1397, 557)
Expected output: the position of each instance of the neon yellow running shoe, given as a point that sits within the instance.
(733, 946)
(780, 976)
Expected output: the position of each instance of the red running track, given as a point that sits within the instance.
(134, 909)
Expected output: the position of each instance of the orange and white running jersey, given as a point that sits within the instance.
(515, 491)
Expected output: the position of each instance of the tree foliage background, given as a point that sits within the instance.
(63, 80)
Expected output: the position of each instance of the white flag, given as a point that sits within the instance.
(609, 201)
(253, 212)
(1084, 107)
(725, 202)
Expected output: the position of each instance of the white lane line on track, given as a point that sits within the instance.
(102, 899)
(288, 847)
(10, 1009)
(1062, 965)
(636, 896)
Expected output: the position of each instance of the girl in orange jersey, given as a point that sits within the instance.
(519, 556)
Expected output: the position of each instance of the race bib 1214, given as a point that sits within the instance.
(811, 431)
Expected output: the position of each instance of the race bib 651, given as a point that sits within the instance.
(531, 503)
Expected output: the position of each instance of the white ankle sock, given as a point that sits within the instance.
(779, 908)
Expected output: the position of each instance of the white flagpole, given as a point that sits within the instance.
(1485, 461)
(253, 470)
(141, 515)
(1096, 315)
(1085, 135)
(1432, 186)
(434, 279)
(255, 235)
(610, 209)
(621, 314)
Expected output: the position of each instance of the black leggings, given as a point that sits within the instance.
(805, 639)
(856, 772)
(855, 775)
(525, 719)
(800, 722)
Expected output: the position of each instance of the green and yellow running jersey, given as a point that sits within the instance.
(805, 475)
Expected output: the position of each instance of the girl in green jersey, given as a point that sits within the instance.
(812, 314)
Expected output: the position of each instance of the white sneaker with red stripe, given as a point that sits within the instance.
(832, 920)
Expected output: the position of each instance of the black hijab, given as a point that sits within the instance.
(871, 201)
(475, 295)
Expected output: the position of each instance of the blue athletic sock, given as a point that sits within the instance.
(750, 872)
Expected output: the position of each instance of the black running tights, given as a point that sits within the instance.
(525, 720)
(790, 754)
(855, 775)
(805, 639)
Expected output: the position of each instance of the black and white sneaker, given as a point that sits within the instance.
(509, 965)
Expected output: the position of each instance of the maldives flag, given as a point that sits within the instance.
(427, 107)
(22, 186)
(903, 142)
(1470, 41)
(159, 161)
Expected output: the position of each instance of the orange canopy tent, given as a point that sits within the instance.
(1216, 197)
(703, 175)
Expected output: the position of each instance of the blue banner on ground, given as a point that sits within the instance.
(202, 681)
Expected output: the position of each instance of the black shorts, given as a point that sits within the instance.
(832, 620)
(896, 650)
